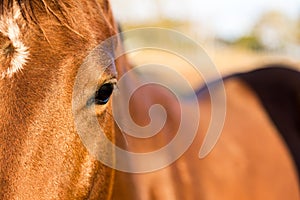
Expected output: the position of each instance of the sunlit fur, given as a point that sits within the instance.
(41, 154)
(250, 160)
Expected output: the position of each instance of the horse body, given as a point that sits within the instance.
(277, 87)
(250, 160)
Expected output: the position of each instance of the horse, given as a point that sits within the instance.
(256, 157)
(44, 45)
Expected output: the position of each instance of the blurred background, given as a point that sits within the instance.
(237, 35)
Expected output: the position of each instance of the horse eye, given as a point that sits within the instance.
(103, 94)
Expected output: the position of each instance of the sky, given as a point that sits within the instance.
(227, 18)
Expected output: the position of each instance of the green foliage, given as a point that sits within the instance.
(249, 42)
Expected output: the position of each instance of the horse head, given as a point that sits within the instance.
(43, 44)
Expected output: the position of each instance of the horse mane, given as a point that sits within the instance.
(30, 8)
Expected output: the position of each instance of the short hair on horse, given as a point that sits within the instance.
(29, 8)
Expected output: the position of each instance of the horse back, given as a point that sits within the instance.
(278, 89)
(249, 161)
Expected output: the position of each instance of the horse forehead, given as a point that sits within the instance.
(15, 54)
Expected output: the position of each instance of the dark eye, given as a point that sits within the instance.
(103, 94)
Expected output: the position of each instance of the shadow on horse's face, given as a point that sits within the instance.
(43, 44)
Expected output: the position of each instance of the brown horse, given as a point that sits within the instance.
(43, 45)
(250, 160)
